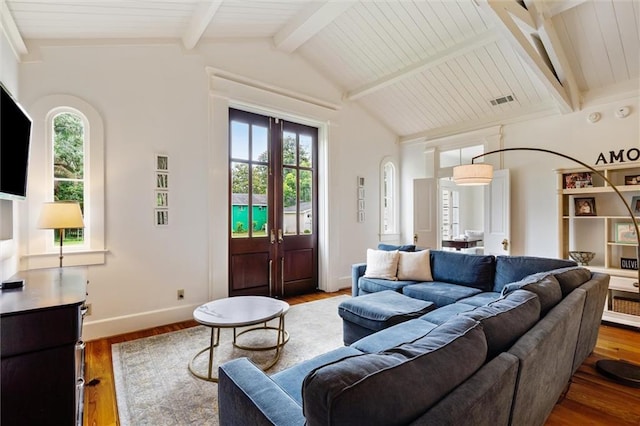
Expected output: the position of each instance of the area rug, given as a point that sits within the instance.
(155, 387)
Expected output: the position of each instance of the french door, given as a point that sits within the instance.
(273, 201)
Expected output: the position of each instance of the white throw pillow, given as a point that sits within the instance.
(382, 264)
(415, 266)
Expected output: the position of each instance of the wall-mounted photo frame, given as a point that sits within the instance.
(635, 205)
(360, 204)
(360, 193)
(625, 233)
(361, 216)
(585, 206)
(162, 217)
(632, 180)
(162, 180)
(360, 182)
(162, 162)
(578, 180)
(162, 199)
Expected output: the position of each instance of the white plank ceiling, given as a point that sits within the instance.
(425, 68)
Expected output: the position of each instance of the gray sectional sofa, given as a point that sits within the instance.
(448, 356)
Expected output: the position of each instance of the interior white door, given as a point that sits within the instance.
(497, 223)
(425, 213)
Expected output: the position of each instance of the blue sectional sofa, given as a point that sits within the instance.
(491, 341)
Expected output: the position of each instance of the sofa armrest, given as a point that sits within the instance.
(357, 270)
(247, 396)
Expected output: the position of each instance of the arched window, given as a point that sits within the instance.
(388, 200)
(68, 164)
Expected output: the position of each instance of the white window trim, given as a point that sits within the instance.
(38, 249)
(393, 235)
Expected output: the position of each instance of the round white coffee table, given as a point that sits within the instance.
(240, 311)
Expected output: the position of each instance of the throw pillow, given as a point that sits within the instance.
(382, 264)
(415, 266)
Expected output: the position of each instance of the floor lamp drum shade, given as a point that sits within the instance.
(473, 174)
(61, 215)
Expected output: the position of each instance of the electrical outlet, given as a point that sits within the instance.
(89, 310)
(181, 294)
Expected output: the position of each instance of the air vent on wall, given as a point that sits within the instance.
(502, 100)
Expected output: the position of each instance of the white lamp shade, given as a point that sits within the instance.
(473, 174)
(61, 215)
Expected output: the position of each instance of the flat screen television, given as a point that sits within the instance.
(15, 137)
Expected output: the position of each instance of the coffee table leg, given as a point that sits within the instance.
(215, 341)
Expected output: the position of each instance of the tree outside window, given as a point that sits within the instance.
(68, 167)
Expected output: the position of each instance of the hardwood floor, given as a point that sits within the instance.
(589, 400)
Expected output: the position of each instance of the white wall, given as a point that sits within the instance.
(156, 99)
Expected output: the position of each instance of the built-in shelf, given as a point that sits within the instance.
(597, 233)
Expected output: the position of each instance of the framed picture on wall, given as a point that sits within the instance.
(585, 206)
(162, 162)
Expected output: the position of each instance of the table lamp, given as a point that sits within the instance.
(61, 215)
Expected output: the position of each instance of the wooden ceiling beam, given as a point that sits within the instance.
(552, 44)
(308, 23)
(199, 22)
(453, 52)
(525, 49)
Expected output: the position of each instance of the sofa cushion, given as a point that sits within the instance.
(382, 264)
(396, 335)
(394, 387)
(391, 247)
(381, 310)
(469, 270)
(290, 380)
(514, 268)
(481, 299)
(547, 288)
(373, 285)
(415, 266)
(440, 293)
(571, 278)
(506, 319)
(444, 314)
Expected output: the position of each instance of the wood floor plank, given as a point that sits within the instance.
(590, 399)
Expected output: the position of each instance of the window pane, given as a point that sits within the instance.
(239, 200)
(259, 143)
(239, 140)
(290, 200)
(306, 202)
(259, 212)
(306, 151)
(289, 149)
(450, 158)
(469, 152)
(68, 146)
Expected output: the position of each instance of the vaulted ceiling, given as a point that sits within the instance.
(423, 67)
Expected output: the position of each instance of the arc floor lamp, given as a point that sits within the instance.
(482, 174)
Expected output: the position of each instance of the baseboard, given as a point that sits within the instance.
(99, 329)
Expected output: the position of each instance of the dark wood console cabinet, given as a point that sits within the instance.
(41, 348)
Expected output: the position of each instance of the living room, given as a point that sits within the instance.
(155, 96)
